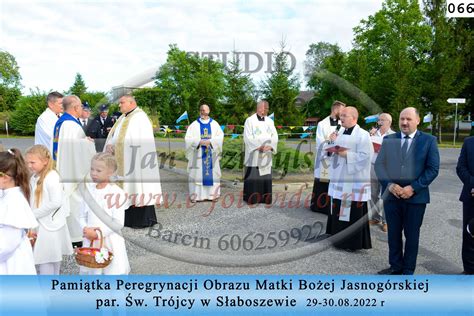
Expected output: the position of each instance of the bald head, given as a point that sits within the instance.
(72, 105)
(349, 116)
(204, 111)
(69, 102)
(409, 120)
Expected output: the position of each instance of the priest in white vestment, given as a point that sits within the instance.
(44, 128)
(204, 138)
(349, 186)
(320, 201)
(261, 140)
(72, 151)
(132, 141)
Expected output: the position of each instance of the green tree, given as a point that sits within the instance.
(27, 110)
(9, 81)
(95, 99)
(281, 89)
(445, 67)
(239, 100)
(186, 81)
(390, 55)
(79, 86)
(323, 58)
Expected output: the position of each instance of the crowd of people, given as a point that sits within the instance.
(57, 196)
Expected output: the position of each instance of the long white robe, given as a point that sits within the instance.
(73, 163)
(114, 216)
(259, 133)
(137, 159)
(324, 129)
(44, 129)
(16, 255)
(53, 239)
(350, 176)
(194, 155)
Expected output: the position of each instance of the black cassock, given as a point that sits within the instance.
(140, 217)
(257, 188)
(320, 200)
(354, 234)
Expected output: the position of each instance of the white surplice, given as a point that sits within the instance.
(194, 156)
(260, 133)
(138, 162)
(16, 254)
(73, 163)
(323, 131)
(44, 129)
(350, 176)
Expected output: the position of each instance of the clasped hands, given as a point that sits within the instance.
(265, 148)
(205, 142)
(401, 192)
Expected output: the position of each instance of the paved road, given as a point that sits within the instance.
(165, 250)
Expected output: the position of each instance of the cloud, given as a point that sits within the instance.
(109, 42)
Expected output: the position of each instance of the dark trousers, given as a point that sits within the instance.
(467, 239)
(406, 217)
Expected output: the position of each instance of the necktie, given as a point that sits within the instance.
(405, 146)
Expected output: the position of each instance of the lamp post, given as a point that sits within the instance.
(456, 101)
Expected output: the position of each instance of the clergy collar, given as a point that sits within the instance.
(348, 131)
(260, 118)
(332, 121)
(126, 114)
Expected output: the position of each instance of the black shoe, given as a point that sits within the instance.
(77, 244)
(390, 271)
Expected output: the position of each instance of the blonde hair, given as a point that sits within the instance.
(109, 160)
(43, 153)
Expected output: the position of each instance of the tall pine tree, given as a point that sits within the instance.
(281, 89)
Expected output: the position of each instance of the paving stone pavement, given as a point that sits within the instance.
(282, 239)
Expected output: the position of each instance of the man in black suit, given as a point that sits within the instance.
(85, 119)
(407, 164)
(100, 128)
(465, 171)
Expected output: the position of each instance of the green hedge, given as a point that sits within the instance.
(27, 110)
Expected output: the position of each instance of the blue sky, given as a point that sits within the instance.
(109, 42)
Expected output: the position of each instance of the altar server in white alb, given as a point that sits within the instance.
(261, 140)
(44, 128)
(132, 142)
(72, 151)
(204, 139)
(320, 201)
(349, 184)
(99, 213)
(47, 196)
(16, 217)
